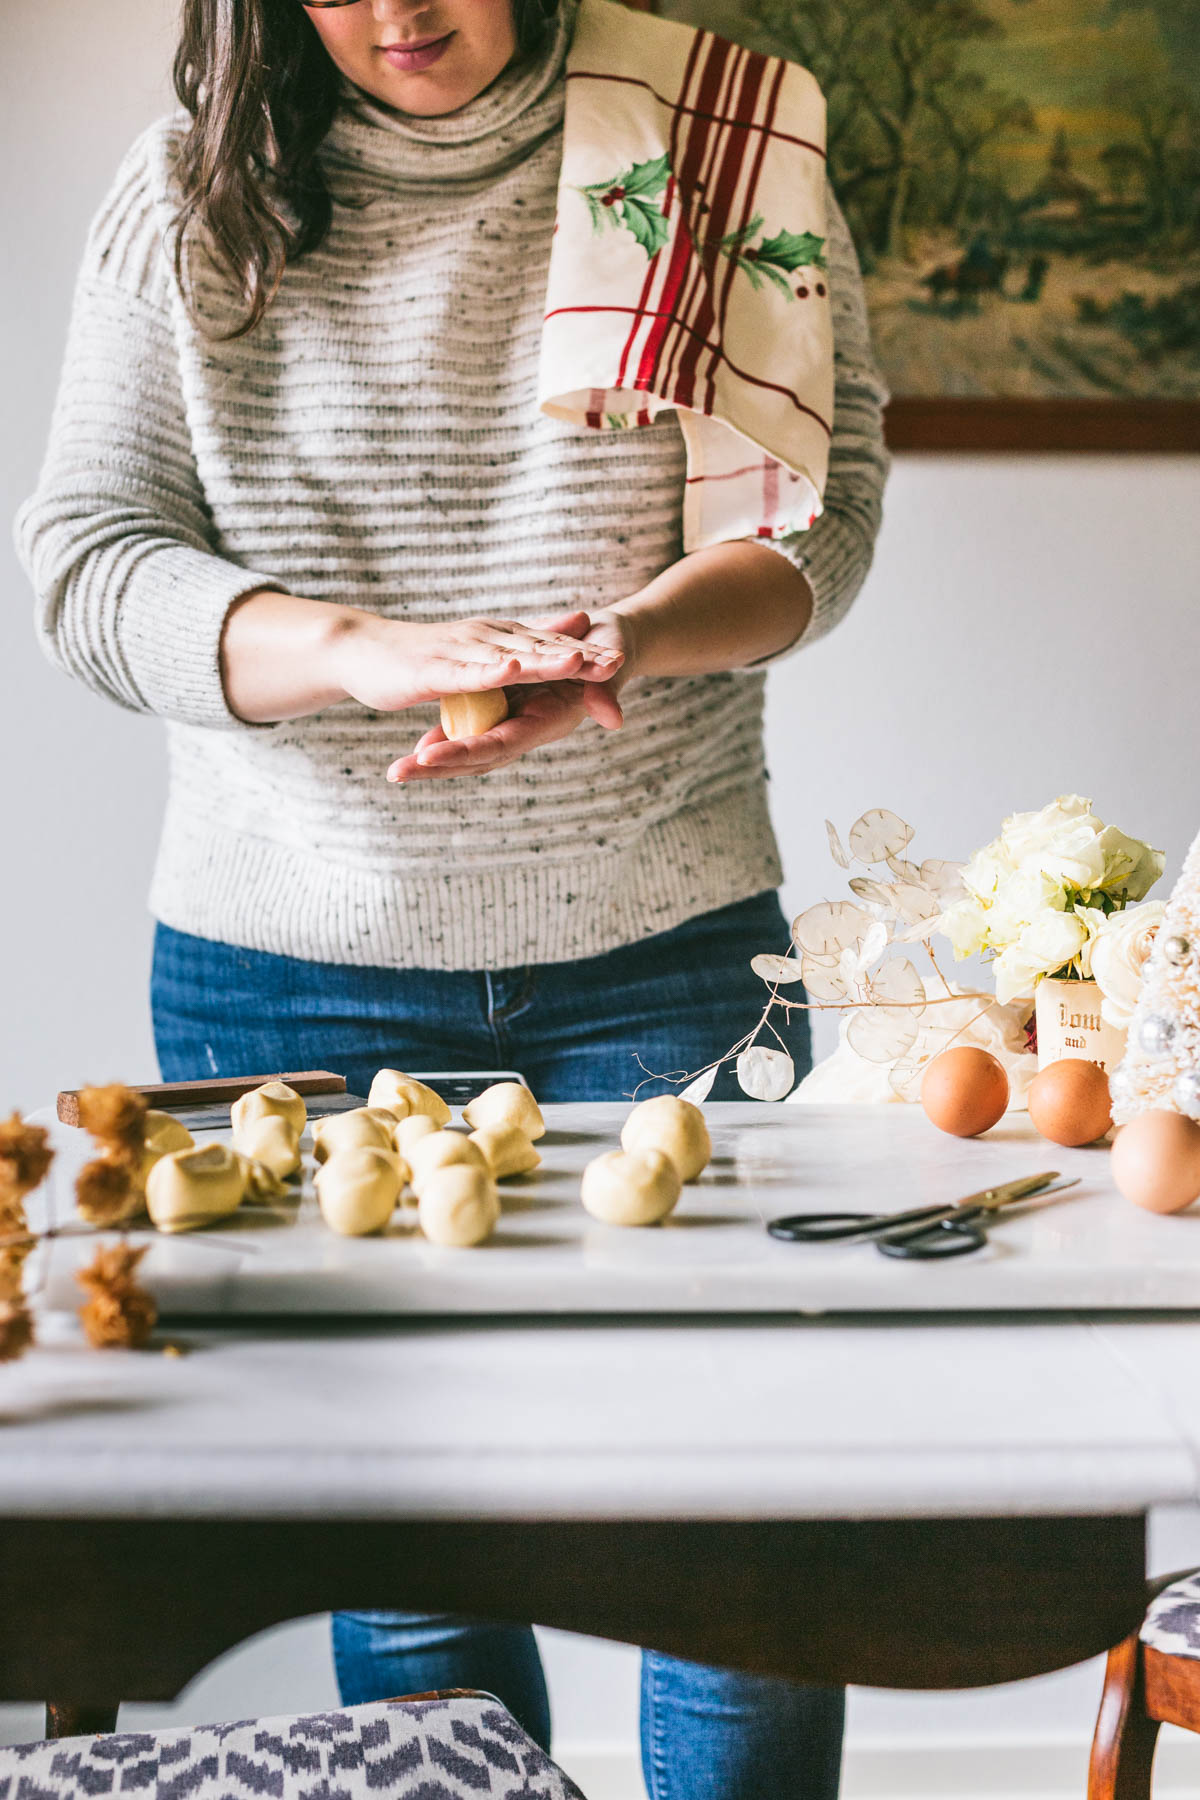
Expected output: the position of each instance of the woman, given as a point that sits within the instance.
(298, 485)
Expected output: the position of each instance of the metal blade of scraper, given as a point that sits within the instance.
(205, 1116)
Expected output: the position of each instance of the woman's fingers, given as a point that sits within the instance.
(551, 714)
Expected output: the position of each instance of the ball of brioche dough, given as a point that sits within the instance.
(440, 1149)
(673, 1125)
(506, 1149)
(506, 1103)
(468, 715)
(187, 1189)
(164, 1133)
(262, 1183)
(365, 1128)
(631, 1187)
(400, 1094)
(270, 1140)
(459, 1205)
(407, 1133)
(358, 1189)
(271, 1097)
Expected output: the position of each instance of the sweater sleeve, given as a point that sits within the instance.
(117, 540)
(835, 553)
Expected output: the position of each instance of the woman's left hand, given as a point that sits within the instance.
(539, 714)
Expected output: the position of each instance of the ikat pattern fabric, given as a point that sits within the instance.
(1172, 1622)
(464, 1747)
(689, 267)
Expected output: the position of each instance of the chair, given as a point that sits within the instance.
(458, 1745)
(1152, 1679)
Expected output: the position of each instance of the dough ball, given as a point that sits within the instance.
(400, 1094)
(407, 1133)
(674, 1126)
(367, 1127)
(440, 1149)
(631, 1187)
(506, 1103)
(187, 1189)
(459, 1205)
(469, 715)
(262, 1183)
(164, 1133)
(358, 1189)
(271, 1097)
(506, 1150)
(270, 1140)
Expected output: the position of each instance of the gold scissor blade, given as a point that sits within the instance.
(1004, 1195)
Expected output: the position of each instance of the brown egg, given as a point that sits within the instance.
(1069, 1101)
(964, 1091)
(1156, 1161)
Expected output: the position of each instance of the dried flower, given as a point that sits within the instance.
(16, 1330)
(119, 1314)
(25, 1156)
(116, 1117)
(106, 1192)
(12, 1266)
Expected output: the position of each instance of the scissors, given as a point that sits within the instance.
(927, 1233)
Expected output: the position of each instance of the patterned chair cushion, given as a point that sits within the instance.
(465, 1747)
(1172, 1622)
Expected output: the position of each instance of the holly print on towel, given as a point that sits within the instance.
(775, 257)
(629, 200)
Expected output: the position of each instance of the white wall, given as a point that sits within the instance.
(1030, 627)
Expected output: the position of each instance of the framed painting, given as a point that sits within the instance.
(1022, 179)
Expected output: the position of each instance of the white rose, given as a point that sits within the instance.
(1022, 834)
(985, 871)
(966, 925)
(1046, 945)
(1094, 920)
(1053, 940)
(1074, 858)
(1119, 958)
(1015, 975)
(1131, 867)
(1021, 899)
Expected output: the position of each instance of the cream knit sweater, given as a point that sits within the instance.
(376, 441)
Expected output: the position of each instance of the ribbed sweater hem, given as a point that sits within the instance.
(244, 890)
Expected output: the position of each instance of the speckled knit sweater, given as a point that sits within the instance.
(376, 441)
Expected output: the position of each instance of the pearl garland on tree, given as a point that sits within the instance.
(1161, 1067)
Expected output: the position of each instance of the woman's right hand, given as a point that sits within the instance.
(283, 657)
(388, 665)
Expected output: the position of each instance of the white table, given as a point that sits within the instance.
(929, 1501)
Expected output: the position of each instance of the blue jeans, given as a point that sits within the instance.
(576, 1031)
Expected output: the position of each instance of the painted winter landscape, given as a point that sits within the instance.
(1022, 178)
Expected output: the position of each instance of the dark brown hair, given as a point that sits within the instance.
(261, 90)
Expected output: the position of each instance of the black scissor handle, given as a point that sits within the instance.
(932, 1243)
(819, 1228)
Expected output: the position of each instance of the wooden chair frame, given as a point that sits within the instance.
(1144, 1688)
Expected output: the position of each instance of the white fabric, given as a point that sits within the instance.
(689, 269)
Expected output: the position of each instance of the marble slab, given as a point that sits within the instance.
(572, 1419)
(1087, 1249)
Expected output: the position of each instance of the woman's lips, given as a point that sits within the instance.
(414, 57)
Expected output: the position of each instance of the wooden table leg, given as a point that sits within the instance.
(64, 1719)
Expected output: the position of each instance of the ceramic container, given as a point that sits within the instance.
(1069, 1024)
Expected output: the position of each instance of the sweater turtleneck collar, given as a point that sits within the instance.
(497, 130)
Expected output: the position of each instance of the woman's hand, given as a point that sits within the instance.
(537, 714)
(284, 657)
(388, 665)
